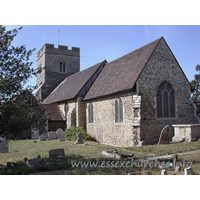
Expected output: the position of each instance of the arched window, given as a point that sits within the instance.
(90, 113)
(118, 111)
(62, 68)
(165, 100)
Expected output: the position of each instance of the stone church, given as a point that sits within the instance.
(121, 102)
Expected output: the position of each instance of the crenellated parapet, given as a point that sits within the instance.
(62, 50)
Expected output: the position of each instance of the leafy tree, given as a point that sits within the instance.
(195, 85)
(19, 110)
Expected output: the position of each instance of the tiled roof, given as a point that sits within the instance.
(72, 85)
(54, 111)
(122, 73)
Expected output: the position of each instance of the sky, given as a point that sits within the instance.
(109, 42)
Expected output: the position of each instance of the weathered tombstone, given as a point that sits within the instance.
(177, 168)
(60, 133)
(141, 143)
(9, 164)
(52, 135)
(61, 139)
(34, 161)
(188, 171)
(164, 172)
(165, 136)
(174, 160)
(34, 133)
(3, 145)
(80, 138)
(43, 137)
(58, 153)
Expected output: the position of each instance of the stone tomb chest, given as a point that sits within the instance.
(187, 132)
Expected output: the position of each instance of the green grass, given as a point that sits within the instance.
(20, 149)
(163, 149)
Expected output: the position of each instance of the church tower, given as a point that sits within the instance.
(56, 64)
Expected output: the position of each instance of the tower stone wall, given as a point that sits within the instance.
(51, 61)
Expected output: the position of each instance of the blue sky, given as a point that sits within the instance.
(100, 42)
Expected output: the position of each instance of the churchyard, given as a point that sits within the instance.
(33, 157)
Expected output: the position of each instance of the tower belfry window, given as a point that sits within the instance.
(62, 68)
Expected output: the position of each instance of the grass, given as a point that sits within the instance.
(20, 149)
(162, 149)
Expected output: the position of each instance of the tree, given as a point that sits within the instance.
(195, 85)
(19, 110)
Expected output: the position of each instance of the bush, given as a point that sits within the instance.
(73, 131)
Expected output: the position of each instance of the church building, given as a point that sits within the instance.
(121, 102)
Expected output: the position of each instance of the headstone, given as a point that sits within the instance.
(61, 139)
(141, 143)
(177, 168)
(60, 133)
(174, 160)
(3, 145)
(58, 153)
(34, 133)
(43, 137)
(80, 138)
(34, 161)
(164, 172)
(52, 135)
(9, 164)
(165, 136)
(188, 171)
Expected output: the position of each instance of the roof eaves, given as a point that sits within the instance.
(62, 100)
(106, 95)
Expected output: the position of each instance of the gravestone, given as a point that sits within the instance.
(43, 137)
(3, 145)
(52, 135)
(177, 168)
(174, 160)
(60, 133)
(80, 138)
(188, 171)
(58, 153)
(141, 143)
(61, 139)
(32, 162)
(164, 172)
(9, 164)
(165, 136)
(34, 133)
